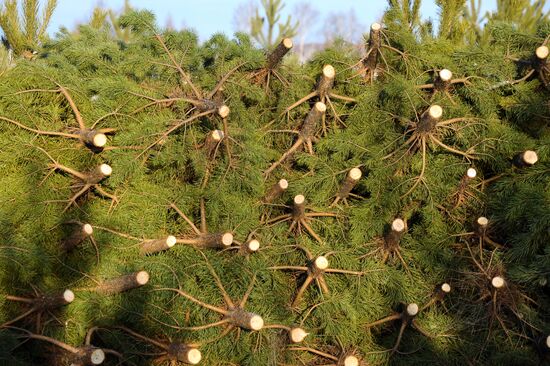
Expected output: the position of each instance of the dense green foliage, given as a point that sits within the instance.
(111, 80)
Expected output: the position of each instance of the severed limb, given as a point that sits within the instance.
(80, 233)
(201, 238)
(501, 296)
(92, 138)
(525, 159)
(463, 192)
(204, 103)
(443, 82)
(233, 313)
(439, 294)
(40, 304)
(343, 359)
(295, 334)
(275, 191)
(264, 75)
(352, 178)
(86, 355)
(522, 160)
(429, 128)
(250, 246)
(122, 283)
(211, 146)
(370, 62)
(306, 135)
(409, 314)
(188, 353)
(542, 65)
(388, 245)
(315, 269)
(324, 92)
(482, 232)
(84, 180)
(538, 64)
(300, 218)
(157, 245)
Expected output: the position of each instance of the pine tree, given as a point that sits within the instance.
(263, 26)
(109, 18)
(175, 202)
(23, 33)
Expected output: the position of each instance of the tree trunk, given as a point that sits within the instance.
(276, 56)
(123, 283)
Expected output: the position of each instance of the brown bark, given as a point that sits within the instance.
(93, 138)
(443, 80)
(55, 300)
(88, 356)
(205, 105)
(375, 42)
(98, 174)
(276, 56)
(349, 183)
(480, 226)
(275, 191)
(393, 237)
(245, 319)
(156, 245)
(216, 241)
(309, 127)
(326, 82)
(81, 233)
(525, 159)
(541, 64)
(429, 119)
(212, 141)
(299, 207)
(123, 283)
(178, 351)
(543, 344)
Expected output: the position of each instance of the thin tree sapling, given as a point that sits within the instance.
(203, 103)
(443, 81)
